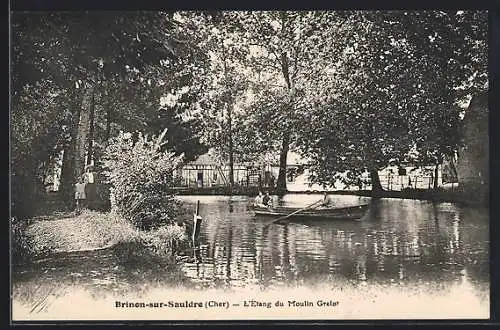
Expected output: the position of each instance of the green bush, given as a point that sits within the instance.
(141, 177)
(19, 247)
(23, 247)
(154, 248)
(25, 197)
(165, 241)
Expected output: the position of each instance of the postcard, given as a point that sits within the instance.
(249, 165)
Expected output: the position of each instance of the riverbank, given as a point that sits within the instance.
(440, 195)
(430, 251)
(67, 232)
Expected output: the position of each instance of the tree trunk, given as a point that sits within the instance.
(453, 168)
(439, 160)
(68, 165)
(90, 152)
(281, 183)
(285, 144)
(106, 104)
(67, 170)
(83, 130)
(376, 185)
(230, 142)
(108, 124)
(228, 104)
(436, 176)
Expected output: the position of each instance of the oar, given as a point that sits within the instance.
(295, 212)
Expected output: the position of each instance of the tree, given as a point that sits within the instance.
(399, 89)
(455, 49)
(37, 136)
(92, 58)
(291, 54)
(219, 82)
(280, 57)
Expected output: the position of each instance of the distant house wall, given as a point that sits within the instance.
(209, 175)
(207, 171)
(411, 177)
(473, 157)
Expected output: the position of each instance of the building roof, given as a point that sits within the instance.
(210, 158)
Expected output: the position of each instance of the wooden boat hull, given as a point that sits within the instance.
(340, 213)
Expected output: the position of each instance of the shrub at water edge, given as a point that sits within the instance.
(140, 174)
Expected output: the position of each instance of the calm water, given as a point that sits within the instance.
(405, 243)
(397, 240)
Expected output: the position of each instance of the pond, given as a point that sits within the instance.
(434, 256)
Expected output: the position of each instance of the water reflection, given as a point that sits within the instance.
(398, 241)
(405, 244)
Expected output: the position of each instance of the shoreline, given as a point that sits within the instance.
(69, 233)
(92, 231)
(460, 197)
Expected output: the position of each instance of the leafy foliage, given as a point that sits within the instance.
(37, 135)
(141, 176)
(347, 89)
(402, 75)
(23, 248)
(164, 241)
(128, 59)
(266, 70)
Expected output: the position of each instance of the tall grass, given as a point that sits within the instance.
(92, 230)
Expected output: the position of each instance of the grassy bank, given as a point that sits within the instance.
(91, 230)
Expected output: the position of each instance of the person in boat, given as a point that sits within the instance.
(259, 200)
(267, 200)
(327, 201)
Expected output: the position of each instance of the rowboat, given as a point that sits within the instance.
(335, 213)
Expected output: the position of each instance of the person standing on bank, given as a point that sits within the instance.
(90, 186)
(80, 195)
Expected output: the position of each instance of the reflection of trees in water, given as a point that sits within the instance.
(439, 242)
(395, 251)
(411, 240)
(283, 271)
(475, 241)
(228, 248)
(425, 241)
(228, 253)
(374, 210)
